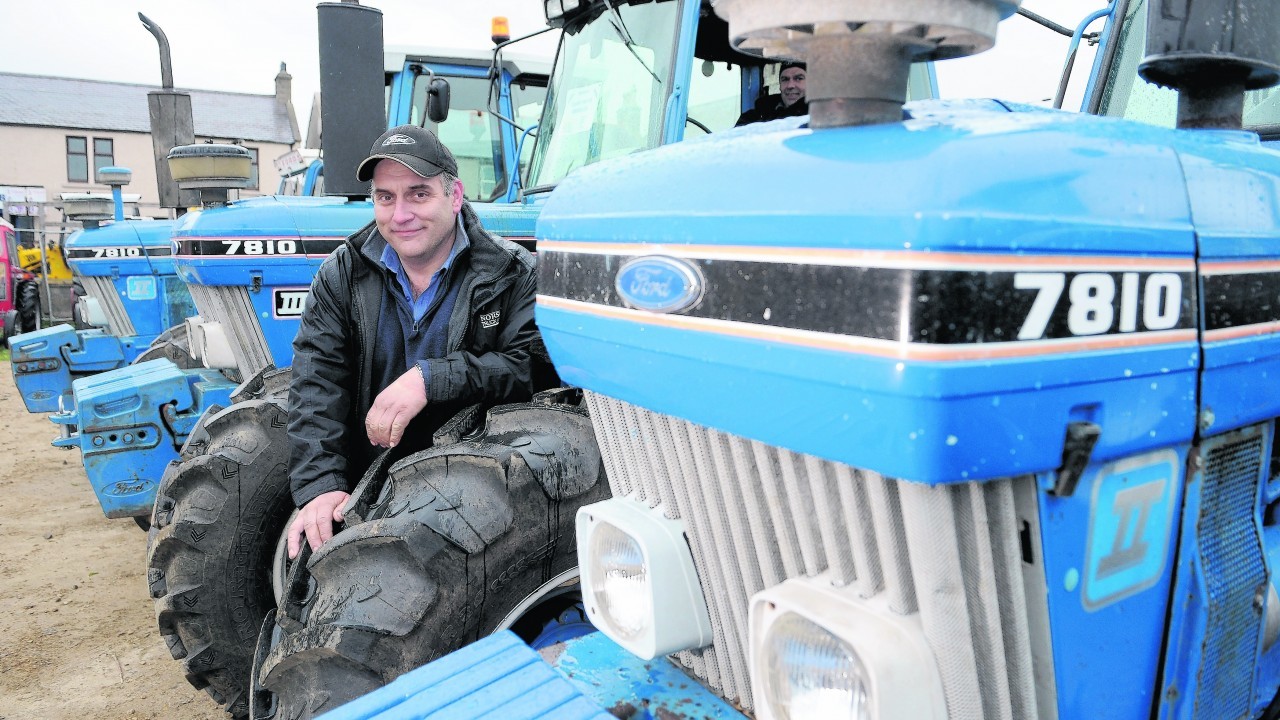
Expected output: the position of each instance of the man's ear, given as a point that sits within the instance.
(457, 195)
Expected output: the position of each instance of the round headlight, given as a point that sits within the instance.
(810, 673)
(619, 580)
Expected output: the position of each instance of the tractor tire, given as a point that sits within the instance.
(453, 540)
(29, 319)
(174, 345)
(219, 510)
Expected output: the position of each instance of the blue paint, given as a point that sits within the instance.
(1095, 675)
(1234, 190)
(497, 677)
(130, 423)
(44, 362)
(570, 624)
(1099, 59)
(614, 678)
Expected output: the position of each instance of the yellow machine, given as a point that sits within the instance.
(29, 260)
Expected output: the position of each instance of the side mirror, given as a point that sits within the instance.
(438, 100)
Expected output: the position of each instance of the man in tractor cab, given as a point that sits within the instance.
(418, 315)
(789, 102)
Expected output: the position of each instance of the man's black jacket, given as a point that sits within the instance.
(487, 360)
(770, 107)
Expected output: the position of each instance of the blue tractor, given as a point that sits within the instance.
(133, 301)
(965, 410)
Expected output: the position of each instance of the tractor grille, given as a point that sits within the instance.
(757, 515)
(1231, 554)
(230, 306)
(104, 291)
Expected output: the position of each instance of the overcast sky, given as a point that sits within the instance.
(238, 45)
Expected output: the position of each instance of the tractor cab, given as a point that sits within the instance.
(486, 116)
(1116, 89)
(633, 76)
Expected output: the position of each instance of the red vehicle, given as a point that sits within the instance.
(8, 282)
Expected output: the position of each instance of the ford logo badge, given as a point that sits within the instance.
(659, 284)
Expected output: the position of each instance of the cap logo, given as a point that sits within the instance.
(399, 139)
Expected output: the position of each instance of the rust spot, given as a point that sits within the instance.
(623, 710)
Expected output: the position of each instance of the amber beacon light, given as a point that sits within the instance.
(500, 29)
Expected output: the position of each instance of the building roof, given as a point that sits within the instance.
(43, 101)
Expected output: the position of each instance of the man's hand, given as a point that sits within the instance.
(316, 519)
(395, 407)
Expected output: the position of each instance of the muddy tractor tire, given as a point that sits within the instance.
(219, 511)
(438, 551)
(174, 345)
(29, 318)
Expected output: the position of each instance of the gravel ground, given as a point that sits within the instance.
(78, 636)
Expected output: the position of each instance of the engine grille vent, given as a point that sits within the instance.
(230, 306)
(1231, 555)
(104, 291)
(757, 515)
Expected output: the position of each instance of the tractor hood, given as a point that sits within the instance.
(936, 299)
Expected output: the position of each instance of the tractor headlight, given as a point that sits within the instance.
(818, 651)
(638, 578)
(557, 9)
(810, 673)
(620, 583)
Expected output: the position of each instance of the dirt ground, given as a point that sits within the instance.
(78, 635)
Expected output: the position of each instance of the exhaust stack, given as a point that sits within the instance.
(171, 124)
(353, 108)
(859, 52)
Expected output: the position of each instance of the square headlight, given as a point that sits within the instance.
(822, 651)
(639, 583)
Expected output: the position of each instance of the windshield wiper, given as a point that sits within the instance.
(620, 28)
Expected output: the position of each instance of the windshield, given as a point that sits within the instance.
(608, 90)
(1128, 95)
(470, 132)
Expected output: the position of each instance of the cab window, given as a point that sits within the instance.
(1127, 95)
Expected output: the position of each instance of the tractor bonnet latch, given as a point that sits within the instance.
(1081, 437)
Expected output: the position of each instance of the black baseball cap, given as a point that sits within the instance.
(413, 147)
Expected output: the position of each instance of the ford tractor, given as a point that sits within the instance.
(133, 299)
(474, 535)
(944, 410)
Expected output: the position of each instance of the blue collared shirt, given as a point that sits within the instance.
(422, 303)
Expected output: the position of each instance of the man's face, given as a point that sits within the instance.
(413, 213)
(792, 80)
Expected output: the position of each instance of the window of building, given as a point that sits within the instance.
(253, 168)
(77, 159)
(104, 154)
